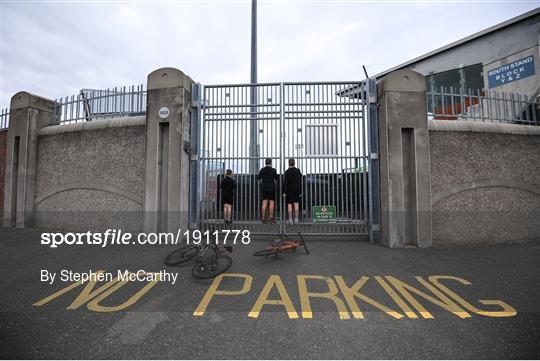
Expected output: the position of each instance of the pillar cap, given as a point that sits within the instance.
(168, 78)
(27, 100)
(404, 80)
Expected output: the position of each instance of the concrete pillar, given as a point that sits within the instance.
(404, 160)
(28, 114)
(166, 194)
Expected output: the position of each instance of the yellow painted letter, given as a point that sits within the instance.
(507, 310)
(331, 295)
(213, 290)
(350, 292)
(96, 307)
(442, 301)
(87, 293)
(398, 300)
(284, 300)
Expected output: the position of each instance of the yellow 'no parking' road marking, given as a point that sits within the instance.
(399, 292)
(343, 296)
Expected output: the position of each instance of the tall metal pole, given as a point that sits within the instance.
(253, 151)
(253, 41)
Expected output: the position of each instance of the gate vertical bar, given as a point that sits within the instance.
(253, 131)
(194, 176)
(282, 156)
(373, 146)
(203, 181)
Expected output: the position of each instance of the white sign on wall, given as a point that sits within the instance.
(164, 112)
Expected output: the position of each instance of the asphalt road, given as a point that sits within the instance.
(160, 322)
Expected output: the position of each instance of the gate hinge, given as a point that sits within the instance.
(375, 227)
(372, 99)
(374, 156)
(199, 103)
(187, 146)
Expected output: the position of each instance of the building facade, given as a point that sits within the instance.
(503, 59)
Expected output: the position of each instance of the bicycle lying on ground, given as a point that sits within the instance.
(282, 245)
(210, 260)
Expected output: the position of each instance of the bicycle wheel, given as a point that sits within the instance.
(265, 253)
(181, 255)
(212, 266)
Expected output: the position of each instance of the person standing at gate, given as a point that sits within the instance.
(292, 189)
(268, 177)
(228, 186)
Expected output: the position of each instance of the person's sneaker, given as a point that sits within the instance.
(263, 220)
(272, 220)
(289, 221)
(296, 221)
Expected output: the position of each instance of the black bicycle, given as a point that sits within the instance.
(210, 260)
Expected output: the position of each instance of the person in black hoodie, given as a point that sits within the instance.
(228, 185)
(268, 177)
(292, 189)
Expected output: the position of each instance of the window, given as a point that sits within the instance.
(474, 78)
(321, 139)
(465, 78)
(452, 83)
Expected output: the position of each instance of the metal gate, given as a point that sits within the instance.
(324, 126)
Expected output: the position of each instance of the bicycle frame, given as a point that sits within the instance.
(288, 245)
(205, 248)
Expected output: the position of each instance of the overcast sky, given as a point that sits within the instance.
(54, 48)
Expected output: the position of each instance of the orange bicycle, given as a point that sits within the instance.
(282, 245)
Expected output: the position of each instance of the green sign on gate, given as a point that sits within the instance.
(324, 214)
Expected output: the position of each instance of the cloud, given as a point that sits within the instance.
(55, 49)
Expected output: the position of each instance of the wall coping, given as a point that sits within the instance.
(475, 126)
(94, 125)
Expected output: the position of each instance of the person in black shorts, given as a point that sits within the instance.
(268, 177)
(292, 188)
(228, 186)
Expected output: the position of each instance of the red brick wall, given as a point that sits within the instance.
(3, 141)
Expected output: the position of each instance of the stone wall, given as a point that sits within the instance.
(485, 182)
(90, 176)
